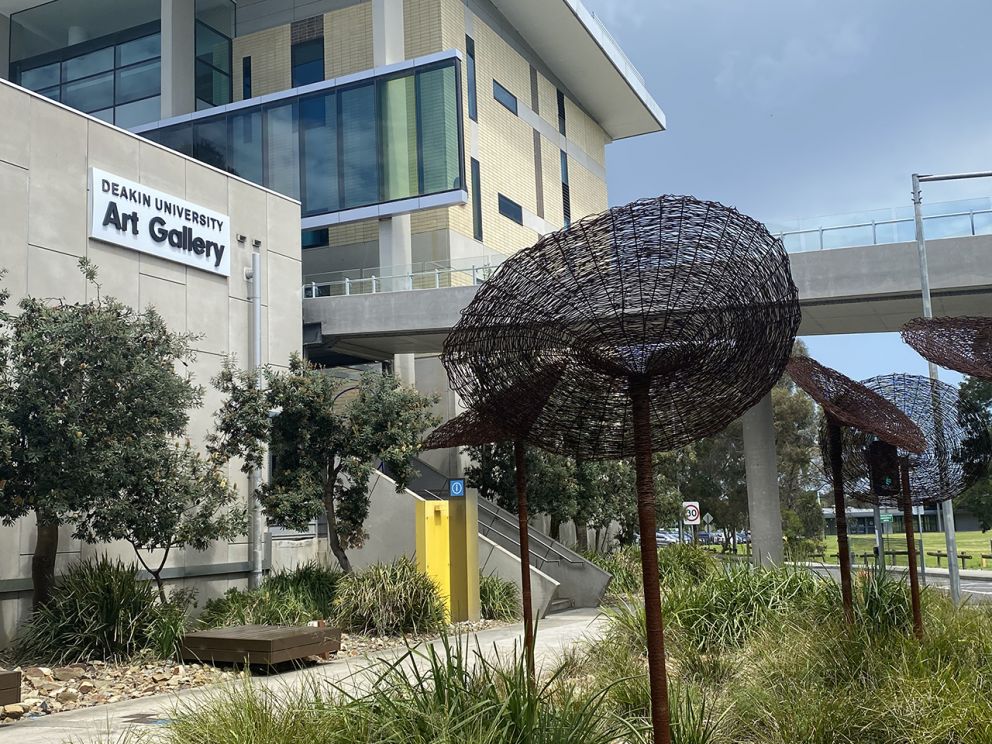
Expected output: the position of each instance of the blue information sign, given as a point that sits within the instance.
(456, 487)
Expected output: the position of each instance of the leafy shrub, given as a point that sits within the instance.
(285, 598)
(499, 598)
(625, 566)
(100, 610)
(681, 562)
(389, 599)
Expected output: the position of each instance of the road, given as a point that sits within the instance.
(974, 586)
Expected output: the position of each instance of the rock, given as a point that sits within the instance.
(68, 695)
(13, 711)
(36, 672)
(161, 677)
(86, 686)
(68, 674)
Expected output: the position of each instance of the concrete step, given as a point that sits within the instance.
(560, 605)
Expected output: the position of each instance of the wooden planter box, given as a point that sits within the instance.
(10, 688)
(260, 644)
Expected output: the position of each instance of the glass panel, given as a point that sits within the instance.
(213, 48)
(139, 50)
(505, 97)
(218, 14)
(511, 210)
(438, 105)
(140, 112)
(282, 166)
(140, 81)
(212, 85)
(476, 200)
(88, 64)
(308, 62)
(91, 94)
(210, 142)
(318, 116)
(107, 115)
(564, 167)
(359, 165)
(54, 93)
(473, 102)
(246, 145)
(398, 114)
(40, 77)
(178, 138)
(315, 238)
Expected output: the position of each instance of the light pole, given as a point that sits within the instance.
(950, 537)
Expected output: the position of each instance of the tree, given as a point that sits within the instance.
(976, 399)
(324, 449)
(82, 385)
(171, 498)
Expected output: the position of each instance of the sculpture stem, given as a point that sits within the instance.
(657, 673)
(914, 579)
(843, 547)
(519, 454)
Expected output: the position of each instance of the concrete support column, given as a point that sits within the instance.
(464, 541)
(761, 465)
(4, 47)
(395, 262)
(388, 38)
(178, 55)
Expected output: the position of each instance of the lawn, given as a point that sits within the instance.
(973, 543)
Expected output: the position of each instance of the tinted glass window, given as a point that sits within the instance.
(90, 94)
(246, 145)
(283, 149)
(139, 50)
(511, 210)
(476, 200)
(318, 121)
(40, 77)
(473, 101)
(359, 148)
(505, 97)
(210, 143)
(246, 77)
(139, 112)
(437, 101)
(139, 81)
(398, 116)
(88, 64)
(308, 62)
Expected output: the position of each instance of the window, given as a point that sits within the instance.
(476, 201)
(118, 80)
(505, 97)
(511, 210)
(213, 67)
(308, 62)
(473, 101)
(561, 112)
(371, 141)
(246, 78)
(566, 191)
(316, 238)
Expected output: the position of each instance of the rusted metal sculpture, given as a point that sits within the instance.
(957, 452)
(849, 403)
(963, 344)
(470, 429)
(669, 317)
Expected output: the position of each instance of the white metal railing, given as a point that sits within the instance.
(427, 275)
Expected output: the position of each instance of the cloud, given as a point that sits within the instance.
(619, 13)
(801, 61)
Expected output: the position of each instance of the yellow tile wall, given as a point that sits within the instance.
(271, 64)
(429, 220)
(354, 232)
(588, 192)
(584, 131)
(348, 40)
(554, 214)
(422, 27)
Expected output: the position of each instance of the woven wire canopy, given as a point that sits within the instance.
(963, 344)
(690, 296)
(852, 404)
(957, 452)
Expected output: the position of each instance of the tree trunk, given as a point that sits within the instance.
(43, 563)
(555, 529)
(582, 537)
(332, 535)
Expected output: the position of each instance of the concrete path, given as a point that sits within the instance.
(557, 634)
(976, 586)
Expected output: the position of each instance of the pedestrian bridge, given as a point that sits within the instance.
(854, 276)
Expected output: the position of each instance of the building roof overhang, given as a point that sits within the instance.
(581, 52)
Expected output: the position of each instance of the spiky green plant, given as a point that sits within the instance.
(498, 598)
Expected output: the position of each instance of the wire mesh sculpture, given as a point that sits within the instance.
(963, 344)
(850, 404)
(473, 428)
(669, 318)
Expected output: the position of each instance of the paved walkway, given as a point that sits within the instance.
(557, 634)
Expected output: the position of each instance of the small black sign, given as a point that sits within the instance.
(883, 467)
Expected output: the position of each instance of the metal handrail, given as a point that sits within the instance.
(535, 536)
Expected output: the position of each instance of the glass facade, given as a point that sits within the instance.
(214, 27)
(116, 78)
(378, 140)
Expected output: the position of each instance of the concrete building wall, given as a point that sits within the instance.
(45, 155)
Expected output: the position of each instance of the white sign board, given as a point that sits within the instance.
(690, 512)
(143, 219)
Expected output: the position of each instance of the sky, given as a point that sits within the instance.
(804, 108)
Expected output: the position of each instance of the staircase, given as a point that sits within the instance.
(580, 583)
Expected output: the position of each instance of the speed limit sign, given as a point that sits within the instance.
(690, 512)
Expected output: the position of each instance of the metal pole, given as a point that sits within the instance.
(879, 542)
(255, 478)
(914, 579)
(519, 454)
(640, 398)
(950, 537)
(840, 513)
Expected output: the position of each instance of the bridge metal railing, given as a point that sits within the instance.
(941, 220)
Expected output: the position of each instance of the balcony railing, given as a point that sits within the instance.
(424, 275)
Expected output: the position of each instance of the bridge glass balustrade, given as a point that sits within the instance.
(953, 219)
(940, 220)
